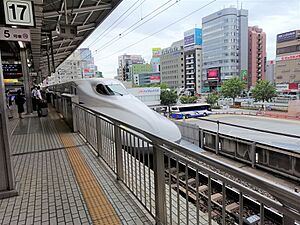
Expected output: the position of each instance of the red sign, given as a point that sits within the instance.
(288, 57)
(213, 74)
(155, 78)
(293, 86)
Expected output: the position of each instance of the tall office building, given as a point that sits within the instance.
(224, 47)
(288, 57)
(172, 65)
(256, 55)
(192, 59)
(125, 61)
(270, 71)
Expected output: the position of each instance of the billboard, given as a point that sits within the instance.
(288, 36)
(213, 74)
(289, 57)
(154, 79)
(193, 37)
(156, 52)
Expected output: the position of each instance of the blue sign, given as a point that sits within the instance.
(193, 37)
(288, 36)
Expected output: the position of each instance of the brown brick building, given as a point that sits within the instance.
(288, 57)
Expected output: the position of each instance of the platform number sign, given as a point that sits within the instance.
(19, 12)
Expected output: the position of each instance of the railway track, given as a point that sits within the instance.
(196, 189)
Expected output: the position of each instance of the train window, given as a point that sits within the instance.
(111, 89)
(101, 89)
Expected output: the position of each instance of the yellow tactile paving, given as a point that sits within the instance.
(99, 207)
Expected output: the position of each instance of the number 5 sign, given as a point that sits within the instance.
(19, 12)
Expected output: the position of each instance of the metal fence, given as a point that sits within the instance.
(179, 186)
(260, 155)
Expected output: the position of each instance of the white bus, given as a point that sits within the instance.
(190, 110)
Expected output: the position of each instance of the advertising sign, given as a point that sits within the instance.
(293, 86)
(282, 87)
(156, 52)
(193, 37)
(289, 57)
(14, 34)
(213, 74)
(154, 79)
(19, 13)
(288, 36)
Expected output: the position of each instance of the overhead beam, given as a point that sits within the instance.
(64, 48)
(86, 27)
(78, 10)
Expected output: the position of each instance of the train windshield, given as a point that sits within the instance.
(111, 89)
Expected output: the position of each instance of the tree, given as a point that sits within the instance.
(168, 97)
(212, 99)
(232, 88)
(263, 91)
(188, 99)
(161, 85)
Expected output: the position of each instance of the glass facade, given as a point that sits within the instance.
(222, 43)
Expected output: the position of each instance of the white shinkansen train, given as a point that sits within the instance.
(110, 97)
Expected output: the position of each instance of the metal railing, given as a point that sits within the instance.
(176, 185)
(284, 162)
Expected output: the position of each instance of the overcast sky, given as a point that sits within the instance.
(274, 16)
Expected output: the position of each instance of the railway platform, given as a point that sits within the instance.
(60, 181)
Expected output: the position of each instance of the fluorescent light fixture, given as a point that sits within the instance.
(21, 44)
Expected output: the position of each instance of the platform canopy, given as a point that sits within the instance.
(54, 15)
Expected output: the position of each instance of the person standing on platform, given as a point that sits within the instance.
(20, 100)
(33, 97)
(9, 104)
(39, 100)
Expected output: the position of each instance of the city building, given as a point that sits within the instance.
(224, 47)
(79, 65)
(172, 66)
(288, 57)
(146, 78)
(270, 71)
(155, 60)
(125, 61)
(138, 69)
(256, 55)
(192, 59)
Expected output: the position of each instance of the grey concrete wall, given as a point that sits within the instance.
(189, 132)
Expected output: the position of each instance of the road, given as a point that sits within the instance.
(270, 124)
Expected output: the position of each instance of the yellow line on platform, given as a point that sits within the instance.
(100, 209)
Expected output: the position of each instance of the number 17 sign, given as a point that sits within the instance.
(19, 12)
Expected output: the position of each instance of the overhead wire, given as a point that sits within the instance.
(114, 23)
(169, 25)
(128, 31)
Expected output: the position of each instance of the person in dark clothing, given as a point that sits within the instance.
(20, 100)
(9, 104)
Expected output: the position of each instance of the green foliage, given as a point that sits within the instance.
(212, 99)
(232, 88)
(263, 91)
(188, 99)
(161, 85)
(168, 97)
